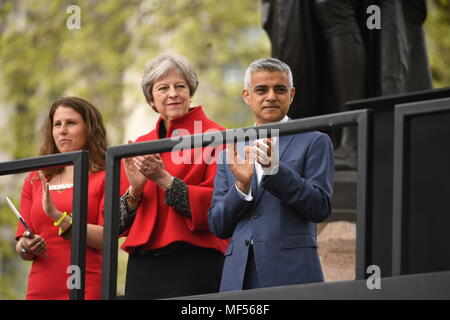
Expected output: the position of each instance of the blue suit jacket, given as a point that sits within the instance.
(281, 219)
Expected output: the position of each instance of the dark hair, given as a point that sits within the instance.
(96, 133)
(267, 64)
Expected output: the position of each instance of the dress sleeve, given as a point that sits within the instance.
(177, 196)
(126, 216)
(101, 214)
(26, 202)
(200, 199)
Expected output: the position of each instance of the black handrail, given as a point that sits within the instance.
(386, 103)
(80, 161)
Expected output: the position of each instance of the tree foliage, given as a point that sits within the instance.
(42, 59)
(438, 41)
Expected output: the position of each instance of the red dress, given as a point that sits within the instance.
(157, 224)
(47, 279)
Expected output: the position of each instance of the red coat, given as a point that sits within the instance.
(156, 224)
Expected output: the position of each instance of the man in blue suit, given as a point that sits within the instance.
(270, 201)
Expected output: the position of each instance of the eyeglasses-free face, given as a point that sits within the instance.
(269, 96)
(69, 130)
(171, 96)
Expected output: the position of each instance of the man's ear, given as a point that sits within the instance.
(292, 91)
(245, 96)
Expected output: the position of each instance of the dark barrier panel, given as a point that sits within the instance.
(361, 118)
(428, 286)
(421, 203)
(80, 161)
(382, 169)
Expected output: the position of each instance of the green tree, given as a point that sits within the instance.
(437, 27)
(42, 59)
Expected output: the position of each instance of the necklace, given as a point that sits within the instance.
(60, 186)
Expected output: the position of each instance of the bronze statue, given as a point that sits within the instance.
(336, 56)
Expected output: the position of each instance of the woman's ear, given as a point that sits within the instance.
(152, 105)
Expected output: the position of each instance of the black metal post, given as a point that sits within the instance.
(79, 221)
(401, 192)
(111, 227)
(364, 194)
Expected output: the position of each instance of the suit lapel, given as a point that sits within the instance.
(257, 191)
(254, 183)
(284, 142)
(282, 147)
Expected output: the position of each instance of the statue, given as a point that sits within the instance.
(336, 57)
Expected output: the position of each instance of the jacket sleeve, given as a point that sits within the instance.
(200, 199)
(227, 206)
(310, 194)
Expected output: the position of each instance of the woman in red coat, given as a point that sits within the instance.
(46, 204)
(164, 210)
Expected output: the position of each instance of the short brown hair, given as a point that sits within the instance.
(96, 136)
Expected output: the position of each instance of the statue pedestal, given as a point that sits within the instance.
(381, 219)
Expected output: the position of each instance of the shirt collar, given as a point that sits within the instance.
(286, 118)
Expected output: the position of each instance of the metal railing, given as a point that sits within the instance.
(401, 193)
(386, 103)
(382, 166)
(361, 118)
(80, 161)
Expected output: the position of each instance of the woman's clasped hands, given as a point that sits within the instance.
(140, 169)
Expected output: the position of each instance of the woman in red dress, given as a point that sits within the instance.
(46, 203)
